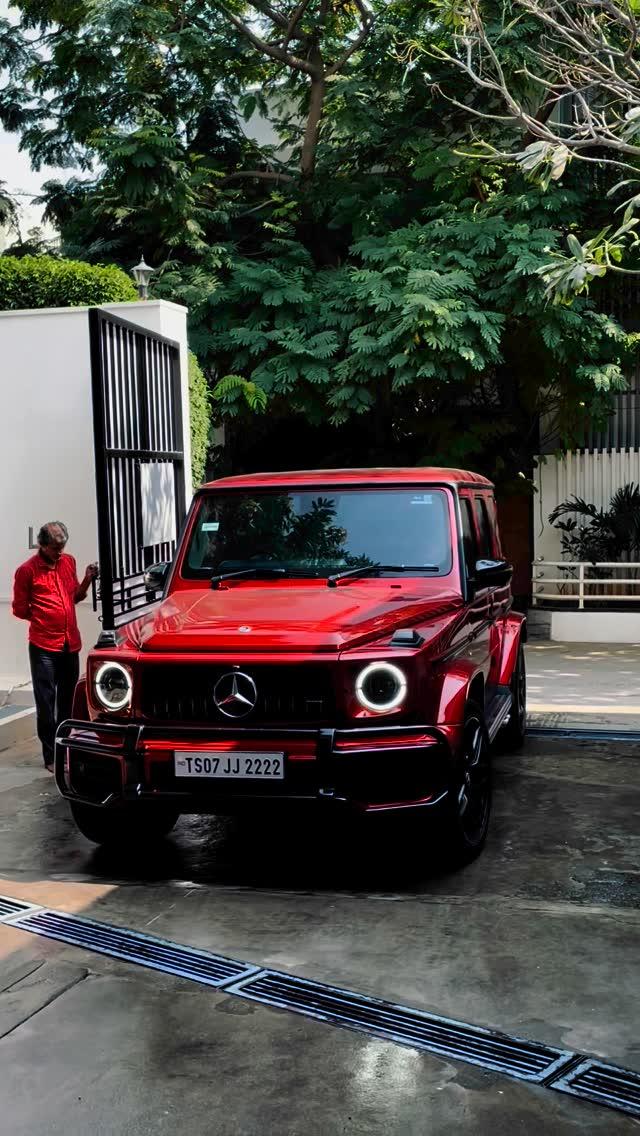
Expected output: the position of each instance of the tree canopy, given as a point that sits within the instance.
(575, 97)
(367, 277)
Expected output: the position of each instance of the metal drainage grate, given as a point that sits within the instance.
(11, 907)
(583, 734)
(522, 1059)
(145, 950)
(604, 1084)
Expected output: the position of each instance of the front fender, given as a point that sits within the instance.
(454, 692)
(513, 634)
(80, 707)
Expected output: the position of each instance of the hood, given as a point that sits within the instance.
(289, 617)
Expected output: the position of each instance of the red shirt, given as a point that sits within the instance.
(45, 594)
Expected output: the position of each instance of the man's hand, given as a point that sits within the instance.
(90, 574)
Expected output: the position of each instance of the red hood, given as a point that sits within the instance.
(279, 617)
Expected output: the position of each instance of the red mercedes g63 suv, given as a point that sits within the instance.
(343, 637)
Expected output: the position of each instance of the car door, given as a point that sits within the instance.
(502, 595)
(477, 632)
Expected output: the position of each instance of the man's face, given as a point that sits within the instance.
(57, 540)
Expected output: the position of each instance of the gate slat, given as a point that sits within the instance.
(137, 414)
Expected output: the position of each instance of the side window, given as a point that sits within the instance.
(469, 541)
(484, 529)
(493, 517)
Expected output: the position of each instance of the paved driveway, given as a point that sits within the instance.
(584, 684)
(539, 938)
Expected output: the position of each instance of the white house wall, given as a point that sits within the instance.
(595, 477)
(46, 443)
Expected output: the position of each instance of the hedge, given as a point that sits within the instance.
(49, 282)
(200, 403)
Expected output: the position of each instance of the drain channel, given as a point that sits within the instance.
(131, 946)
(603, 1084)
(583, 734)
(511, 1055)
(11, 907)
(561, 1070)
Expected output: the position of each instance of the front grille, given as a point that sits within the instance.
(301, 695)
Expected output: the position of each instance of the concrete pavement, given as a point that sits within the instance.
(539, 937)
(583, 684)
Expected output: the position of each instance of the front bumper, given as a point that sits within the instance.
(371, 770)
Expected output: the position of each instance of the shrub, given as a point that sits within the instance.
(50, 282)
(200, 403)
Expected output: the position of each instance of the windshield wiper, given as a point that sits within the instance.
(268, 572)
(366, 569)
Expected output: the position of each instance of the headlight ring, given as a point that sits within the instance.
(381, 687)
(112, 685)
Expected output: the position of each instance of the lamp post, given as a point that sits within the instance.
(142, 274)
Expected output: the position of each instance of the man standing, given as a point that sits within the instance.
(46, 590)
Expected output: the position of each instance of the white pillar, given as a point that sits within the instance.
(46, 443)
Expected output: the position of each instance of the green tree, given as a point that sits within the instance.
(575, 98)
(370, 278)
(8, 209)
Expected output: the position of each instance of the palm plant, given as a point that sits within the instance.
(607, 534)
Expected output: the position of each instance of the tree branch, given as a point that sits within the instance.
(271, 49)
(595, 68)
(296, 16)
(266, 9)
(313, 66)
(367, 24)
(260, 175)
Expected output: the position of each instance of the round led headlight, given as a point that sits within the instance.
(112, 685)
(381, 687)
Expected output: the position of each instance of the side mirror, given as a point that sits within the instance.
(155, 578)
(492, 574)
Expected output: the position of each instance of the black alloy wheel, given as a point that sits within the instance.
(469, 803)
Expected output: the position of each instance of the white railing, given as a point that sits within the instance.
(577, 584)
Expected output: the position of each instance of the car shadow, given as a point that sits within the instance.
(372, 854)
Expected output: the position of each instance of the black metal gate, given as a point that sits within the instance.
(137, 416)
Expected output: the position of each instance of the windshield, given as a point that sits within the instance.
(315, 533)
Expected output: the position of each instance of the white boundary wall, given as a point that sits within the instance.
(595, 627)
(594, 477)
(46, 444)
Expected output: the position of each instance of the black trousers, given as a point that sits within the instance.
(54, 675)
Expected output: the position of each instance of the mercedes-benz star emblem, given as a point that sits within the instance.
(235, 694)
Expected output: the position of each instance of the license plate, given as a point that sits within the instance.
(241, 765)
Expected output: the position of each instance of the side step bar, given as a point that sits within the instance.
(498, 709)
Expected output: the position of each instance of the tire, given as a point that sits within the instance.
(136, 824)
(468, 807)
(513, 734)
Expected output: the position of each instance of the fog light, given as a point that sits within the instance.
(381, 687)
